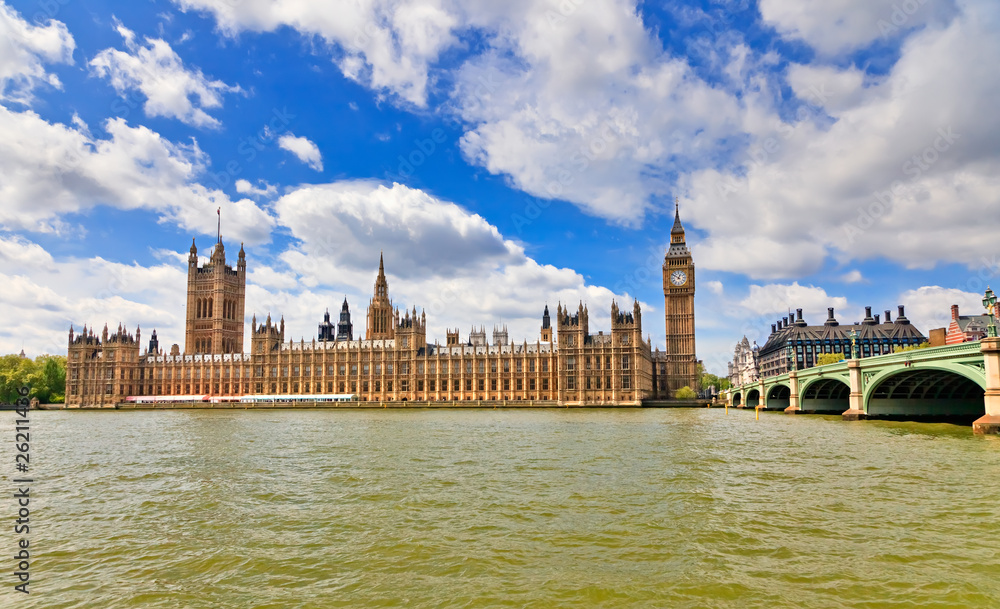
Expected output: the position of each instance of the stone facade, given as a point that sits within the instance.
(678, 366)
(743, 368)
(394, 361)
(215, 303)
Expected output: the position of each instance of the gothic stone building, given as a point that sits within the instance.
(394, 361)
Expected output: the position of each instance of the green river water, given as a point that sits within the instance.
(502, 508)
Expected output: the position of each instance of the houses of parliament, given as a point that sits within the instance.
(393, 361)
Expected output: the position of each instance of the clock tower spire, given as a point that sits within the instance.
(678, 307)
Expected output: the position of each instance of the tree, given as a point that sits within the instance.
(898, 349)
(829, 358)
(46, 376)
(685, 393)
(706, 380)
(49, 379)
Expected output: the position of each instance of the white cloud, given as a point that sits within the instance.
(263, 190)
(269, 279)
(387, 46)
(303, 148)
(832, 89)
(895, 166)
(438, 256)
(24, 48)
(43, 296)
(351, 221)
(839, 26)
(157, 72)
(579, 102)
(853, 276)
(589, 109)
(780, 298)
(760, 256)
(52, 169)
(574, 101)
(929, 307)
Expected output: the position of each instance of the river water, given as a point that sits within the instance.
(497, 508)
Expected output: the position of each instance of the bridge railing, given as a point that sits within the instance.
(914, 356)
(930, 353)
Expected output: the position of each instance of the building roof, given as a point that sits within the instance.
(869, 329)
(973, 323)
(678, 227)
(679, 249)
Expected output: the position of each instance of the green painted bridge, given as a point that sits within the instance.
(950, 382)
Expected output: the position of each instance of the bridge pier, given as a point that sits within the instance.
(856, 399)
(990, 422)
(793, 397)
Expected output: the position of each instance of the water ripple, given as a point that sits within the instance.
(533, 508)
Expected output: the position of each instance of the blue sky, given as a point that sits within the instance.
(503, 156)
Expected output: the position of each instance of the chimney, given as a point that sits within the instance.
(798, 313)
(785, 321)
(774, 328)
(954, 312)
(876, 319)
(887, 318)
(830, 319)
(900, 316)
(868, 312)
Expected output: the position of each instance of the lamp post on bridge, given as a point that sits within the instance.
(990, 304)
(790, 352)
(854, 341)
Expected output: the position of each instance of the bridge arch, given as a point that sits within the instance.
(825, 394)
(934, 391)
(737, 398)
(778, 397)
(753, 397)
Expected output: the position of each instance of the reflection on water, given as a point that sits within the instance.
(525, 508)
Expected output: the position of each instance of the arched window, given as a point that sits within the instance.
(197, 308)
(209, 307)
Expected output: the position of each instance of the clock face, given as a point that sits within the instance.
(678, 278)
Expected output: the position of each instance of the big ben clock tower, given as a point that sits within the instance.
(678, 307)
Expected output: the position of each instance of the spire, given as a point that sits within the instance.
(219, 212)
(381, 267)
(678, 227)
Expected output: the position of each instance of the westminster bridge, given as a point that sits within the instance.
(950, 382)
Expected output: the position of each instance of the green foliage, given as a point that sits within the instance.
(685, 393)
(706, 380)
(829, 358)
(46, 375)
(898, 349)
(709, 380)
